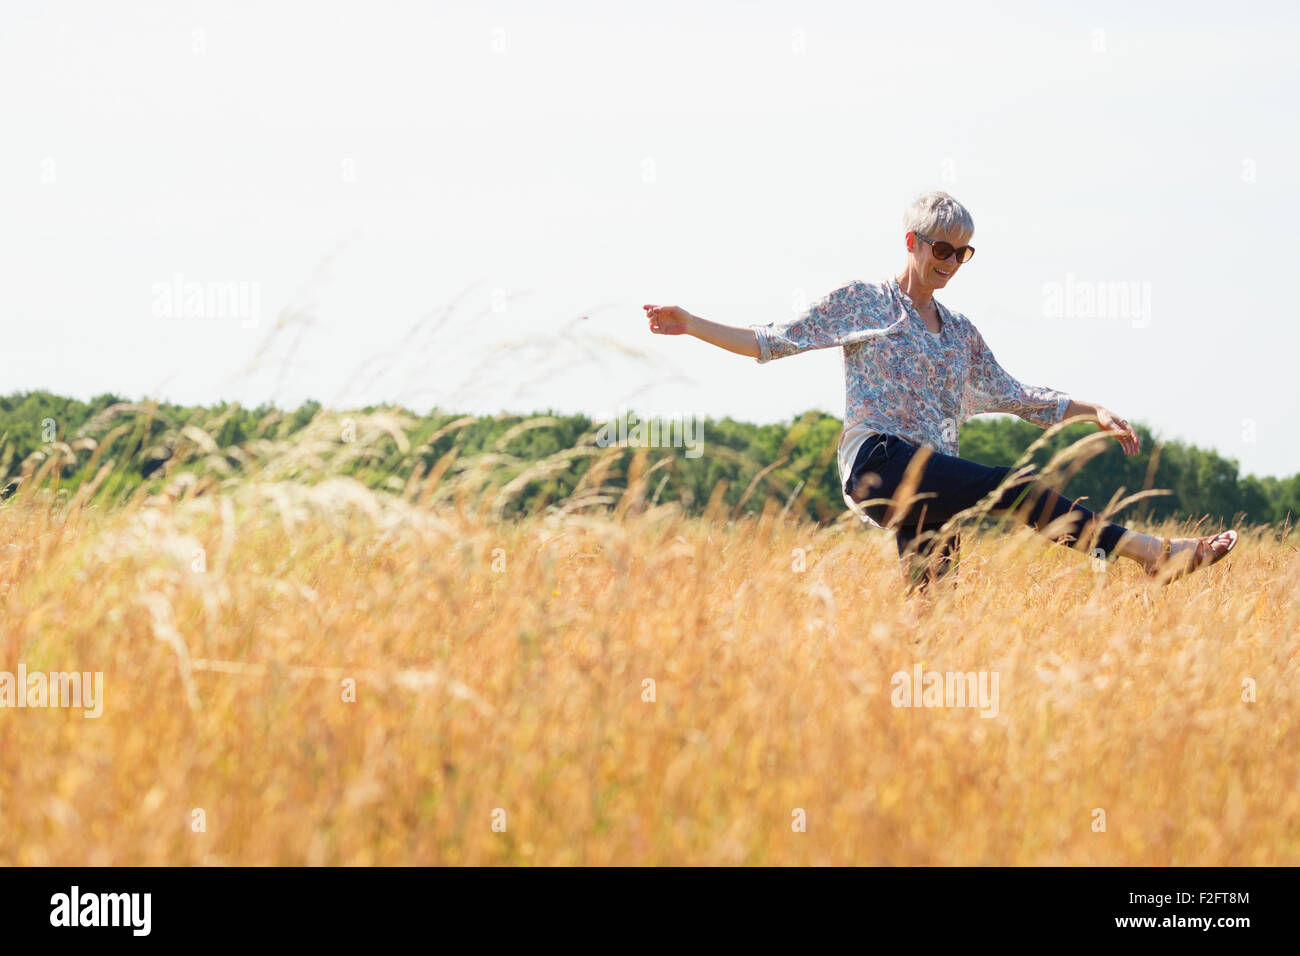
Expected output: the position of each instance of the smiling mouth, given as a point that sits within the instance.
(946, 275)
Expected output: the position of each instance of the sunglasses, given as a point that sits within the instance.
(942, 250)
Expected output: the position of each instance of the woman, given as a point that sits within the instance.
(914, 371)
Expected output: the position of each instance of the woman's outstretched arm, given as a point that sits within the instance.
(849, 313)
(674, 320)
(991, 388)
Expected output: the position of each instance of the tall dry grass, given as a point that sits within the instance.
(500, 672)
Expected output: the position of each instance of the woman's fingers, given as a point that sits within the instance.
(665, 319)
(1126, 434)
(1133, 441)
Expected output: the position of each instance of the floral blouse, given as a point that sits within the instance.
(901, 378)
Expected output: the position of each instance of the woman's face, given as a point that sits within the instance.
(933, 272)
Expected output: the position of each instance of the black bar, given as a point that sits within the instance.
(950, 905)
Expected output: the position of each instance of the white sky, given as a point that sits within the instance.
(372, 163)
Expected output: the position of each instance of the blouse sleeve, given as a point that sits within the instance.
(991, 388)
(848, 314)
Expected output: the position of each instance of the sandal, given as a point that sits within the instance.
(1202, 557)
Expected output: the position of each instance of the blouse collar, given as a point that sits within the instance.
(911, 307)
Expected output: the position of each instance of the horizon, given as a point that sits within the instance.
(658, 417)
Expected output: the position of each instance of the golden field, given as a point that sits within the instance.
(501, 711)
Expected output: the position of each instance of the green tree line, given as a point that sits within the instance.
(739, 466)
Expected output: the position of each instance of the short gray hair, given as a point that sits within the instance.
(938, 212)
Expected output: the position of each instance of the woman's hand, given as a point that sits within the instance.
(1121, 429)
(668, 319)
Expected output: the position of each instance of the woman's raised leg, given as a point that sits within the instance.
(946, 485)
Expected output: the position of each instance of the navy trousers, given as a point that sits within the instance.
(951, 485)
